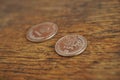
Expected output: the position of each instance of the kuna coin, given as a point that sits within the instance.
(42, 32)
(71, 45)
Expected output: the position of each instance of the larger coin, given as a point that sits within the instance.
(42, 32)
(71, 45)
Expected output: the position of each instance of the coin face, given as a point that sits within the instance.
(42, 32)
(71, 45)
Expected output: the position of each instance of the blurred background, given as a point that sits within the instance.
(97, 20)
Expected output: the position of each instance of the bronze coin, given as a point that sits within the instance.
(71, 45)
(42, 32)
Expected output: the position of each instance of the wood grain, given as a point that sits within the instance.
(97, 20)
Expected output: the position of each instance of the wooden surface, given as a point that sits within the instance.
(97, 20)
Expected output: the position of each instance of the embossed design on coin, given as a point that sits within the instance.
(71, 45)
(42, 32)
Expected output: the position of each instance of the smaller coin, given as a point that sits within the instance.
(42, 32)
(71, 45)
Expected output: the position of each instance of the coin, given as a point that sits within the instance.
(42, 32)
(71, 45)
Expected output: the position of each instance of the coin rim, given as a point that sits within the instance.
(74, 53)
(49, 36)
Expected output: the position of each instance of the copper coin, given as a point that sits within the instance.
(42, 32)
(71, 45)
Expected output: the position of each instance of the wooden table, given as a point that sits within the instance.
(97, 20)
